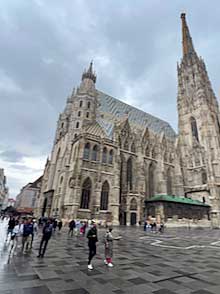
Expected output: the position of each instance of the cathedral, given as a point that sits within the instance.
(115, 163)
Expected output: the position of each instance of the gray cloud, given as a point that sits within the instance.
(11, 156)
(45, 45)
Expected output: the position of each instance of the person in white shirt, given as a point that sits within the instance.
(16, 233)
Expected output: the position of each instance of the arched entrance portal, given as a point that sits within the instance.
(133, 209)
(133, 218)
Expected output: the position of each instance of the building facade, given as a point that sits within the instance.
(3, 189)
(109, 158)
(26, 199)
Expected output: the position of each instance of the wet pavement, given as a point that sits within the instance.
(180, 261)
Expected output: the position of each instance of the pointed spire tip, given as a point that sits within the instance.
(183, 15)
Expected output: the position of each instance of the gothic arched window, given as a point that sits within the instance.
(87, 114)
(86, 151)
(169, 182)
(171, 158)
(133, 147)
(104, 196)
(154, 153)
(110, 159)
(79, 113)
(133, 204)
(80, 103)
(151, 180)
(95, 153)
(204, 177)
(88, 104)
(126, 145)
(104, 155)
(194, 128)
(147, 151)
(86, 192)
(77, 125)
(129, 174)
(166, 156)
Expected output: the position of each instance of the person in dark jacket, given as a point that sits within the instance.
(54, 225)
(28, 231)
(92, 235)
(11, 225)
(60, 224)
(47, 233)
(72, 226)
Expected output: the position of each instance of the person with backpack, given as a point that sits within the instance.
(92, 235)
(47, 233)
(28, 231)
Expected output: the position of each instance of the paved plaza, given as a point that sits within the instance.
(179, 261)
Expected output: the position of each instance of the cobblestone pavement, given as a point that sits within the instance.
(179, 261)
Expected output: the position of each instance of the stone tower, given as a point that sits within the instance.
(199, 127)
(84, 102)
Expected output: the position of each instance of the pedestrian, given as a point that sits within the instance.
(108, 242)
(108, 247)
(77, 227)
(161, 229)
(17, 232)
(60, 224)
(145, 226)
(72, 226)
(47, 233)
(54, 225)
(83, 228)
(11, 225)
(93, 239)
(35, 228)
(28, 231)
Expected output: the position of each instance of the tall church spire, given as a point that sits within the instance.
(187, 43)
(89, 74)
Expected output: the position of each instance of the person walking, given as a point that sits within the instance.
(54, 224)
(17, 232)
(77, 228)
(60, 224)
(161, 229)
(108, 247)
(92, 236)
(108, 241)
(28, 231)
(11, 225)
(47, 233)
(72, 226)
(145, 226)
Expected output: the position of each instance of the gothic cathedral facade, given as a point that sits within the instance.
(110, 159)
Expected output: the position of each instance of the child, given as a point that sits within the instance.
(108, 241)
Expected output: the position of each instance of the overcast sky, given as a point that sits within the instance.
(46, 44)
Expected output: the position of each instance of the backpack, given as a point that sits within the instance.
(48, 229)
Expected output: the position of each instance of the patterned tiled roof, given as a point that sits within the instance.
(96, 129)
(114, 108)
